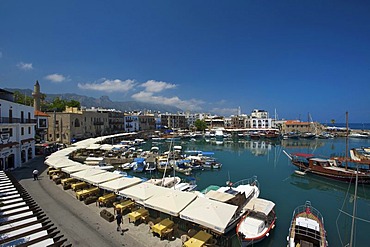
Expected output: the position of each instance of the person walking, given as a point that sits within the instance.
(35, 174)
(119, 220)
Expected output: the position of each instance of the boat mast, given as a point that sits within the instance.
(347, 130)
(354, 209)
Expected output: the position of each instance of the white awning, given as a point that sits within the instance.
(76, 168)
(171, 202)
(102, 177)
(209, 213)
(119, 184)
(142, 192)
(83, 175)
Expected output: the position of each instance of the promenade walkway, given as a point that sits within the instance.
(81, 224)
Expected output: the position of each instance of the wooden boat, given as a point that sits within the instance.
(333, 168)
(347, 169)
(307, 227)
(257, 223)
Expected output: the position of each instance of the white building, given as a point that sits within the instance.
(131, 123)
(17, 132)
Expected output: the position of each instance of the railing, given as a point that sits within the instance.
(310, 212)
(16, 120)
(252, 181)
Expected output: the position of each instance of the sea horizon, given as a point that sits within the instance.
(357, 126)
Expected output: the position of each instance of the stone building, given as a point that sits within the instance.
(173, 121)
(73, 124)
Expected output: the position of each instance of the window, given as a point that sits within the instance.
(22, 117)
(42, 123)
(77, 123)
(29, 130)
(22, 131)
(29, 117)
(10, 116)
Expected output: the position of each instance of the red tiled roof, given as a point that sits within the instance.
(41, 114)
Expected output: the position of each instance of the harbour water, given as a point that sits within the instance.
(242, 158)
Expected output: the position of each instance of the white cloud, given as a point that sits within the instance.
(55, 78)
(25, 66)
(157, 86)
(109, 86)
(191, 105)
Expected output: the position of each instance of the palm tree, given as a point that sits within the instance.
(332, 121)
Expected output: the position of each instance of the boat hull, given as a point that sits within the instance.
(339, 175)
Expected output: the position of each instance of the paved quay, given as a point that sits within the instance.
(81, 224)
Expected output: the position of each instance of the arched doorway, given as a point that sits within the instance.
(10, 162)
(23, 156)
(29, 156)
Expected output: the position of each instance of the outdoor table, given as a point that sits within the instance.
(68, 180)
(160, 227)
(80, 195)
(199, 239)
(78, 185)
(123, 205)
(106, 198)
(134, 216)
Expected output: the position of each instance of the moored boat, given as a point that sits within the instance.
(258, 221)
(307, 227)
(332, 168)
(238, 194)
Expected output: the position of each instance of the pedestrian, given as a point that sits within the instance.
(119, 220)
(35, 174)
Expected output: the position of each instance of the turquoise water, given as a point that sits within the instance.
(244, 158)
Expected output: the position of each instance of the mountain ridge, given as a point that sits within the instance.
(103, 102)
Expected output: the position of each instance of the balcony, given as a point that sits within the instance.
(5, 120)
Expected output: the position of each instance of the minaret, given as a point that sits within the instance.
(36, 96)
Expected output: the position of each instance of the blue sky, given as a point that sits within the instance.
(298, 57)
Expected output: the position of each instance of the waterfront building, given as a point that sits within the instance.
(301, 127)
(259, 114)
(132, 122)
(239, 121)
(74, 124)
(17, 132)
(115, 119)
(147, 122)
(215, 122)
(192, 117)
(173, 121)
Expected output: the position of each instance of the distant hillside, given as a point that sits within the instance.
(104, 102)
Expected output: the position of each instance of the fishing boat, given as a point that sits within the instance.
(189, 185)
(139, 165)
(307, 227)
(334, 168)
(258, 221)
(347, 169)
(238, 194)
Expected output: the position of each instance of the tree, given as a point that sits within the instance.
(22, 99)
(332, 121)
(200, 125)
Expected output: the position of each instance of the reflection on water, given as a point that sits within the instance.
(242, 158)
